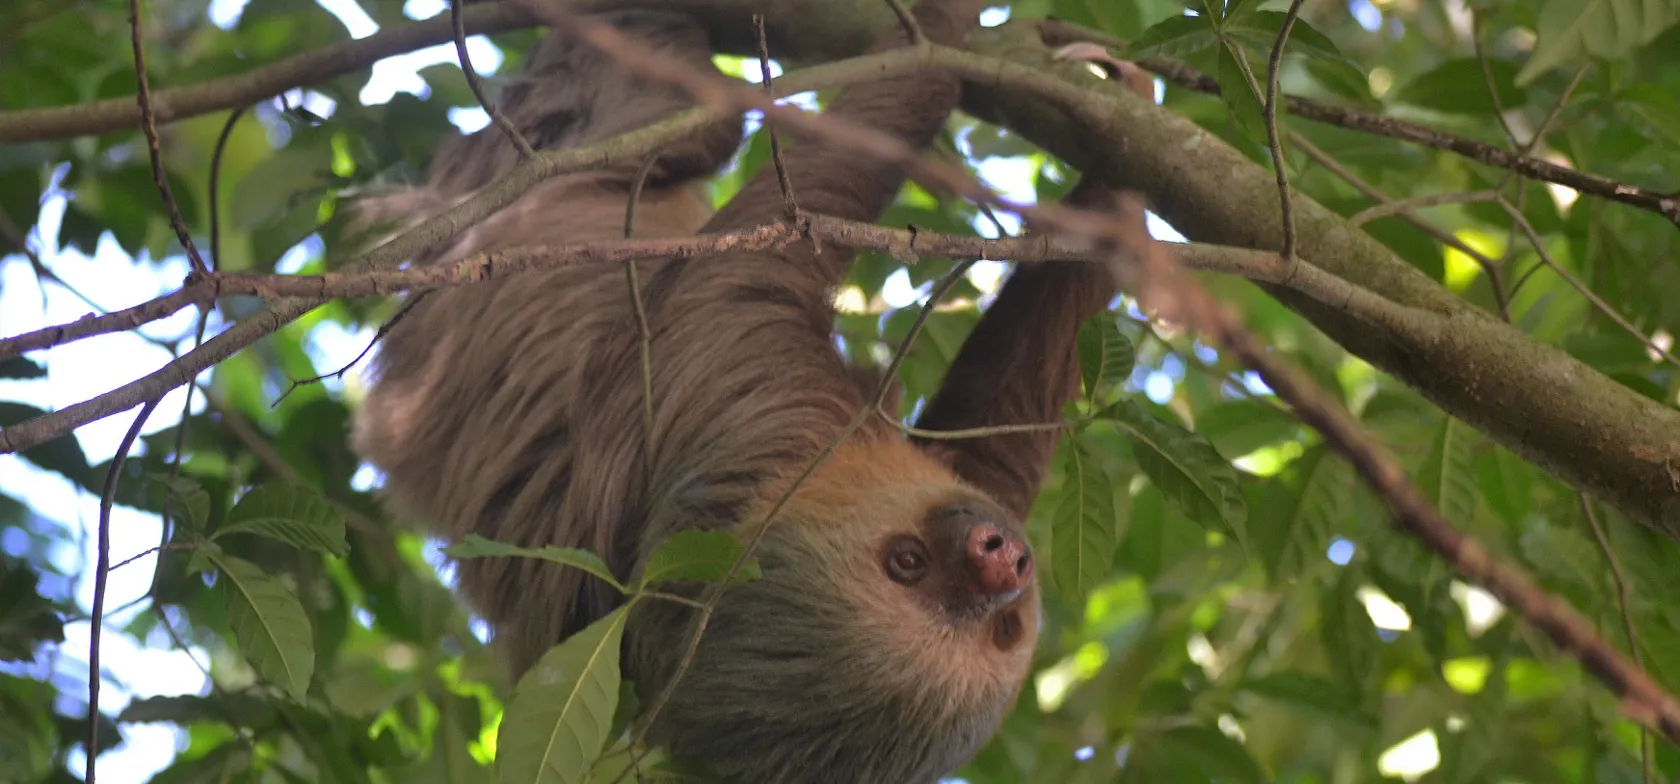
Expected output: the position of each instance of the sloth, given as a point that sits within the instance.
(898, 607)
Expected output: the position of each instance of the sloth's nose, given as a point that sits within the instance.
(1002, 562)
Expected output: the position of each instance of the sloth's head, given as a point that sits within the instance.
(887, 639)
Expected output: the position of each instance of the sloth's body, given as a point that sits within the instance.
(897, 614)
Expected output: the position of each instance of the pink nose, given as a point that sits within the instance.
(1002, 563)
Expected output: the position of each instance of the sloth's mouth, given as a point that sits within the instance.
(1007, 629)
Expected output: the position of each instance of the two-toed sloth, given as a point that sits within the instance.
(898, 608)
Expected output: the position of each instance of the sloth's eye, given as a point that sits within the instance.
(906, 561)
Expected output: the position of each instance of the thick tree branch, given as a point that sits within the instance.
(1531, 397)
(801, 30)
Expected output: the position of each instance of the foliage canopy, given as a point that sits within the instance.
(1226, 600)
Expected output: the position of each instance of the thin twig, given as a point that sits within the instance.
(905, 19)
(1533, 142)
(1392, 208)
(1275, 145)
(790, 205)
(1580, 286)
(1490, 268)
(384, 329)
(471, 73)
(1624, 606)
(216, 183)
(644, 332)
(101, 571)
(144, 98)
(162, 548)
(1664, 204)
(1484, 60)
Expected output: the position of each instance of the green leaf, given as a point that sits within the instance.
(1565, 556)
(561, 714)
(1242, 95)
(1185, 466)
(1238, 427)
(477, 546)
(1260, 30)
(1105, 355)
(296, 515)
(1458, 86)
(19, 367)
(1652, 108)
(1288, 543)
(242, 707)
(1349, 637)
(1307, 691)
(448, 84)
(268, 623)
(272, 188)
(26, 618)
(1507, 483)
(1082, 527)
(62, 455)
(1570, 30)
(1176, 37)
(1209, 752)
(1448, 472)
(699, 556)
(188, 501)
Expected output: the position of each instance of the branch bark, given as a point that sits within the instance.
(1531, 397)
(804, 31)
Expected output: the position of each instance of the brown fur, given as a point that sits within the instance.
(513, 409)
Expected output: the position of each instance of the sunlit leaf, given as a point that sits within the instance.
(1184, 465)
(562, 711)
(289, 513)
(476, 546)
(1573, 29)
(268, 624)
(1082, 529)
(1105, 355)
(700, 556)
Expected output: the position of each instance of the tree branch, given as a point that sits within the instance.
(1531, 397)
(802, 30)
(625, 149)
